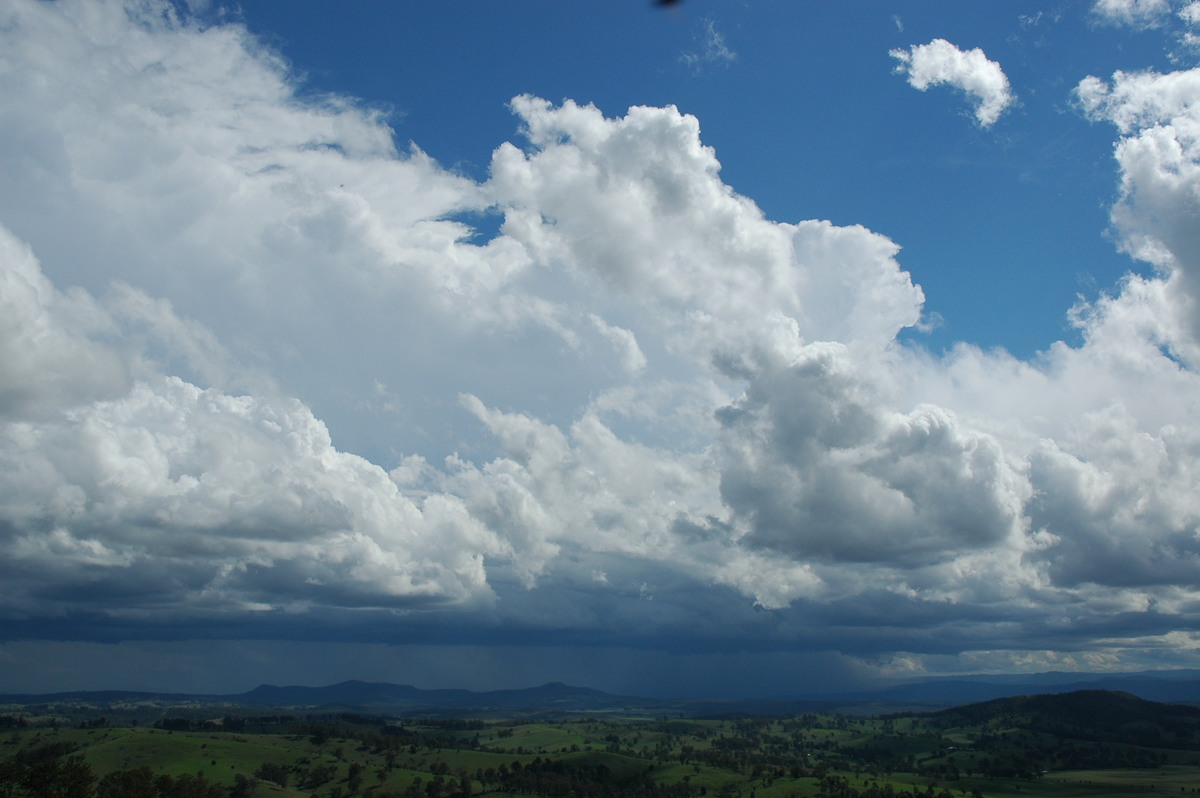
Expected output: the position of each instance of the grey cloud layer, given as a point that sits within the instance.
(733, 423)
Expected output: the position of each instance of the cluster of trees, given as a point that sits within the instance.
(71, 777)
(229, 723)
(839, 787)
(543, 777)
(1026, 755)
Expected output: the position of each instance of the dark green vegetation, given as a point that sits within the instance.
(1089, 743)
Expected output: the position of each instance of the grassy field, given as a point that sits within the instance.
(342, 756)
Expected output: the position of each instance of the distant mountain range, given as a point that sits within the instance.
(556, 698)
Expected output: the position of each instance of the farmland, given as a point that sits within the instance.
(1080, 744)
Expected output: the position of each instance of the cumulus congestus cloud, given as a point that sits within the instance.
(131, 491)
(291, 381)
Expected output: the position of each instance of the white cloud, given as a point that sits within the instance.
(713, 49)
(1159, 157)
(634, 208)
(1136, 13)
(940, 62)
(48, 360)
(1139, 100)
(180, 499)
(624, 342)
(190, 169)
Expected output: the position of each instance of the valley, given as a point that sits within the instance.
(1083, 743)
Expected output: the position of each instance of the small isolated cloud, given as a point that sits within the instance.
(1135, 13)
(712, 48)
(941, 62)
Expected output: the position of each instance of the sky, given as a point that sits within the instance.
(720, 349)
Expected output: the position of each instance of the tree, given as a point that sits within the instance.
(189, 787)
(59, 778)
(137, 783)
(242, 787)
(270, 771)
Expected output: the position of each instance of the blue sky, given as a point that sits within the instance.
(711, 349)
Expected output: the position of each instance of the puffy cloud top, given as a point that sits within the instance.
(636, 204)
(193, 500)
(1159, 158)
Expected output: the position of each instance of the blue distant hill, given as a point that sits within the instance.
(559, 698)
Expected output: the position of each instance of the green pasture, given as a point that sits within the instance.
(759, 757)
(1170, 780)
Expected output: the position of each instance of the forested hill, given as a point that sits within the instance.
(1098, 715)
